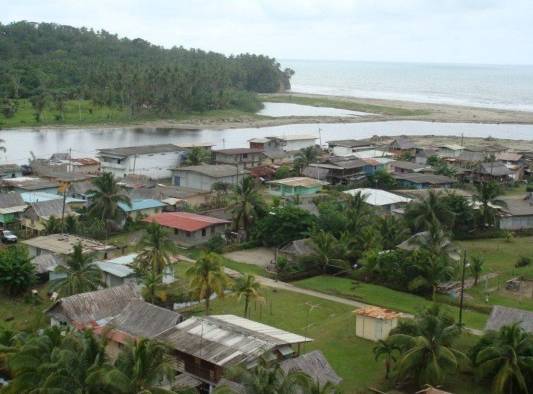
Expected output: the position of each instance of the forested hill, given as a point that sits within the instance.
(49, 64)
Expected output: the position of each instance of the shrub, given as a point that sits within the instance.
(17, 273)
(216, 244)
(522, 262)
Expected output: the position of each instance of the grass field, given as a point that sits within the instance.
(82, 112)
(21, 313)
(383, 296)
(500, 257)
(343, 104)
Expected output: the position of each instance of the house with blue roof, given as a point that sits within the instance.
(35, 197)
(143, 207)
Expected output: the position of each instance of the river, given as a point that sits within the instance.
(85, 141)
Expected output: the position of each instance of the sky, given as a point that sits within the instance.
(443, 31)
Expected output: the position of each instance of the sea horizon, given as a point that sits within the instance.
(508, 87)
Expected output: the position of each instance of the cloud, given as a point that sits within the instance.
(475, 31)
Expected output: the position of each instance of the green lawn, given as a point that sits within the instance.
(80, 112)
(500, 257)
(20, 313)
(383, 296)
(343, 104)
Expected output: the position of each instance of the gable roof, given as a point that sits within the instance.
(45, 209)
(29, 183)
(378, 197)
(45, 262)
(351, 143)
(421, 178)
(64, 243)
(313, 364)
(299, 181)
(82, 309)
(509, 156)
(408, 165)
(402, 142)
(227, 340)
(496, 168)
(11, 202)
(140, 204)
(185, 221)
(504, 316)
(142, 319)
(139, 150)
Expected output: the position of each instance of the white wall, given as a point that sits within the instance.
(516, 223)
(298, 144)
(155, 166)
(199, 181)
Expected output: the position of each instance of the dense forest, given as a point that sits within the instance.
(49, 64)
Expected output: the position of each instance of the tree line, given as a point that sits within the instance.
(49, 64)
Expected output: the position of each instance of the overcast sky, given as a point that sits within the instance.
(454, 31)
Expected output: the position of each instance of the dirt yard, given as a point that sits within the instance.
(258, 256)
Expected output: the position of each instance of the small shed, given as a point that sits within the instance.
(375, 323)
(504, 316)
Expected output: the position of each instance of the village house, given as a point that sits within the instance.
(417, 180)
(423, 155)
(349, 147)
(190, 228)
(242, 157)
(492, 171)
(204, 176)
(375, 323)
(293, 187)
(30, 184)
(207, 346)
(384, 202)
(45, 265)
(35, 218)
(288, 143)
(11, 208)
(80, 190)
(402, 146)
(62, 245)
(153, 161)
(280, 157)
(407, 167)
(118, 271)
(371, 154)
(517, 214)
(141, 207)
(450, 150)
(10, 171)
(35, 197)
(174, 197)
(514, 162)
(504, 316)
(339, 170)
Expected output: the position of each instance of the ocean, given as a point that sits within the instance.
(491, 86)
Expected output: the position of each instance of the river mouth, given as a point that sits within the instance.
(86, 141)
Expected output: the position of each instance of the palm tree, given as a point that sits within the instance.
(265, 379)
(81, 275)
(105, 198)
(248, 287)
(357, 211)
(52, 225)
(156, 249)
(245, 204)
(427, 352)
(207, 277)
(197, 156)
(476, 267)
(142, 366)
(305, 157)
(387, 350)
(325, 252)
(507, 358)
(487, 195)
(429, 210)
(392, 230)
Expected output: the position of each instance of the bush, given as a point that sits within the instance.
(216, 244)
(522, 262)
(17, 273)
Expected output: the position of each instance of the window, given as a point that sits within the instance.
(203, 232)
(188, 234)
(245, 155)
(213, 230)
(176, 231)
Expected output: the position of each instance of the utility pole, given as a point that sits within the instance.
(64, 186)
(462, 290)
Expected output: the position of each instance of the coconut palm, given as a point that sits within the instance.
(52, 225)
(245, 204)
(249, 288)
(305, 156)
(476, 267)
(156, 249)
(265, 379)
(196, 156)
(105, 198)
(506, 357)
(142, 366)
(427, 352)
(325, 252)
(207, 277)
(431, 209)
(80, 274)
(392, 230)
(487, 196)
(387, 350)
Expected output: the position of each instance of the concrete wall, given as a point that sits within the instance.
(199, 181)
(516, 222)
(373, 329)
(251, 159)
(154, 166)
(298, 144)
(200, 236)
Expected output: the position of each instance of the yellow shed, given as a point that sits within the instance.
(375, 323)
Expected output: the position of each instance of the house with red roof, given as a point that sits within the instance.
(190, 228)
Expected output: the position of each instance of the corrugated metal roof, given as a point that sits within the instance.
(139, 150)
(378, 197)
(185, 221)
(118, 270)
(503, 316)
(32, 197)
(140, 204)
(299, 182)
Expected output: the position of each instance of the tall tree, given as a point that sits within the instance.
(476, 267)
(506, 357)
(17, 273)
(305, 156)
(197, 155)
(487, 196)
(105, 197)
(156, 249)
(207, 277)
(246, 204)
(393, 231)
(80, 274)
(421, 215)
(326, 252)
(249, 288)
(387, 350)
